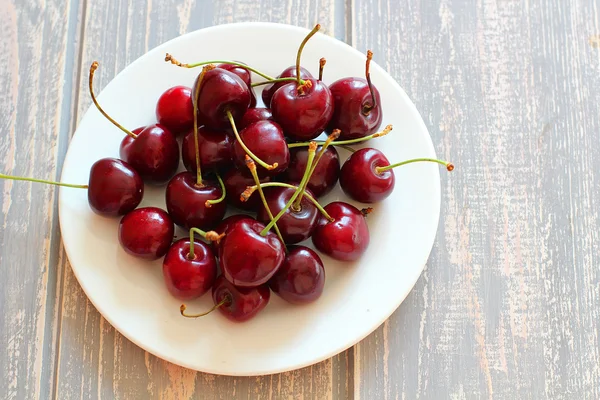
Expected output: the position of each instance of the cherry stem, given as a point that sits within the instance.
(195, 105)
(169, 57)
(368, 107)
(366, 211)
(334, 135)
(322, 63)
(251, 190)
(384, 132)
(276, 80)
(226, 299)
(246, 149)
(210, 203)
(252, 167)
(22, 178)
(299, 54)
(312, 148)
(449, 166)
(211, 236)
(93, 69)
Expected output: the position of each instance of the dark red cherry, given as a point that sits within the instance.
(245, 75)
(175, 110)
(289, 72)
(294, 225)
(360, 180)
(114, 188)
(215, 149)
(188, 278)
(186, 202)
(254, 115)
(303, 115)
(357, 106)
(236, 181)
(265, 139)
(241, 304)
(221, 91)
(347, 237)
(301, 277)
(227, 223)
(325, 175)
(154, 154)
(146, 233)
(247, 258)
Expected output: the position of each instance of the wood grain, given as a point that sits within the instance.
(509, 304)
(94, 360)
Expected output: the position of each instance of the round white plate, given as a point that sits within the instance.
(358, 297)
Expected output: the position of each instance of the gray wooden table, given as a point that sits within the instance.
(509, 303)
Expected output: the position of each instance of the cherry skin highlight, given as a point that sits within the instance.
(347, 237)
(301, 278)
(146, 233)
(114, 187)
(244, 75)
(175, 110)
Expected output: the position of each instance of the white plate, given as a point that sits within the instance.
(358, 297)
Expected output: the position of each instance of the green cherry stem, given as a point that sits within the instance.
(169, 57)
(195, 106)
(252, 167)
(299, 54)
(22, 178)
(246, 149)
(211, 236)
(384, 132)
(93, 69)
(248, 192)
(276, 80)
(182, 308)
(449, 166)
(210, 203)
(312, 148)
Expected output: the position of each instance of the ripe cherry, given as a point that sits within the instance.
(346, 237)
(174, 109)
(193, 205)
(254, 115)
(223, 227)
(215, 150)
(190, 270)
(301, 277)
(249, 255)
(236, 181)
(289, 72)
(357, 106)
(244, 74)
(146, 233)
(326, 172)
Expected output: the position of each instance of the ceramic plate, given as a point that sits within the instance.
(358, 296)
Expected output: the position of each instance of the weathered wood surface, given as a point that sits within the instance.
(509, 304)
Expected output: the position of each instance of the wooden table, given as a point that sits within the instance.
(509, 303)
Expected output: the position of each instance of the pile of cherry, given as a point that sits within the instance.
(260, 160)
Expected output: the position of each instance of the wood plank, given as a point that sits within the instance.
(37, 41)
(95, 361)
(508, 306)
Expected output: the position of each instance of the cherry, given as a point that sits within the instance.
(301, 277)
(357, 105)
(189, 276)
(153, 152)
(304, 108)
(239, 304)
(297, 223)
(193, 205)
(244, 74)
(326, 172)
(215, 149)
(254, 115)
(223, 227)
(146, 233)
(346, 237)
(174, 109)
(236, 181)
(264, 140)
(219, 93)
(114, 188)
(249, 254)
(289, 72)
